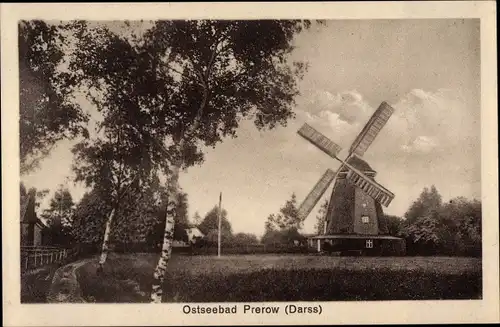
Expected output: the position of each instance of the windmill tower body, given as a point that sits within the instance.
(350, 210)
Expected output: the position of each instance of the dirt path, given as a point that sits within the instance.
(65, 287)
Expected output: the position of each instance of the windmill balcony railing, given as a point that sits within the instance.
(33, 257)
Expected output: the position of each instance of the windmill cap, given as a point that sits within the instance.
(359, 164)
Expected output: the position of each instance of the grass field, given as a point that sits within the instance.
(239, 278)
(35, 284)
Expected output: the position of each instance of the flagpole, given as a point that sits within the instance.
(220, 224)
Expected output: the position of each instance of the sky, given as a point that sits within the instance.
(427, 70)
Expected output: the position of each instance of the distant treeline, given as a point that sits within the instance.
(430, 227)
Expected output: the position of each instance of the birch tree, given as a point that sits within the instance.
(224, 71)
(193, 82)
(120, 155)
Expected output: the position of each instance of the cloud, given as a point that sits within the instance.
(349, 105)
(420, 144)
(429, 120)
(338, 116)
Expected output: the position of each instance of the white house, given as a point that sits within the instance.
(193, 234)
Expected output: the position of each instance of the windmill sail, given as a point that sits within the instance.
(371, 129)
(370, 187)
(319, 140)
(315, 194)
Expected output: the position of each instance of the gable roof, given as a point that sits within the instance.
(28, 214)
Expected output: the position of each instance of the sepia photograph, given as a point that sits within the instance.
(226, 164)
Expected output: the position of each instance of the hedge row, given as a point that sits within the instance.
(292, 285)
(89, 249)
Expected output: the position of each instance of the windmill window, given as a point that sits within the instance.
(365, 219)
(369, 244)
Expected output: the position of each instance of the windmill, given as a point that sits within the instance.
(355, 204)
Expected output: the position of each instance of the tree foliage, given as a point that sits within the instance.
(228, 69)
(179, 86)
(211, 222)
(240, 239)
(160, 80)
(284, 226)
(433, 227)
(60, 209)
(287, 216)
(181, 219)
(136, 218)
(428, 201)
(38, 194)
(59, 217)
(391, 225)
(47, 113)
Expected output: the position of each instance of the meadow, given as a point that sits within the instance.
(242, 278)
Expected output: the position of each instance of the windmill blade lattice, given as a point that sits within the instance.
(322, 142)
(370, 187)
(315, 194)
(371, 129)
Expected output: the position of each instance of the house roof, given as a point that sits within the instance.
(28, 214)
(40, 223)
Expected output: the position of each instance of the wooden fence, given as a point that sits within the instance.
(33, 257)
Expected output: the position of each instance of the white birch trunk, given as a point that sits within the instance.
(105, 242)
(173, 189)
(168, 235)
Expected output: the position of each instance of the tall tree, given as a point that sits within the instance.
(112, 164)
(429, 200)
(287, 217)
(47, 113)
(122, 156)
(224, 70)
(284, 226)
(193, 82)
(61, 207)
(59, 216)
(211, 222)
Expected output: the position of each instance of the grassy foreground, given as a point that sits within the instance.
(128, 278)
(35, 284)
